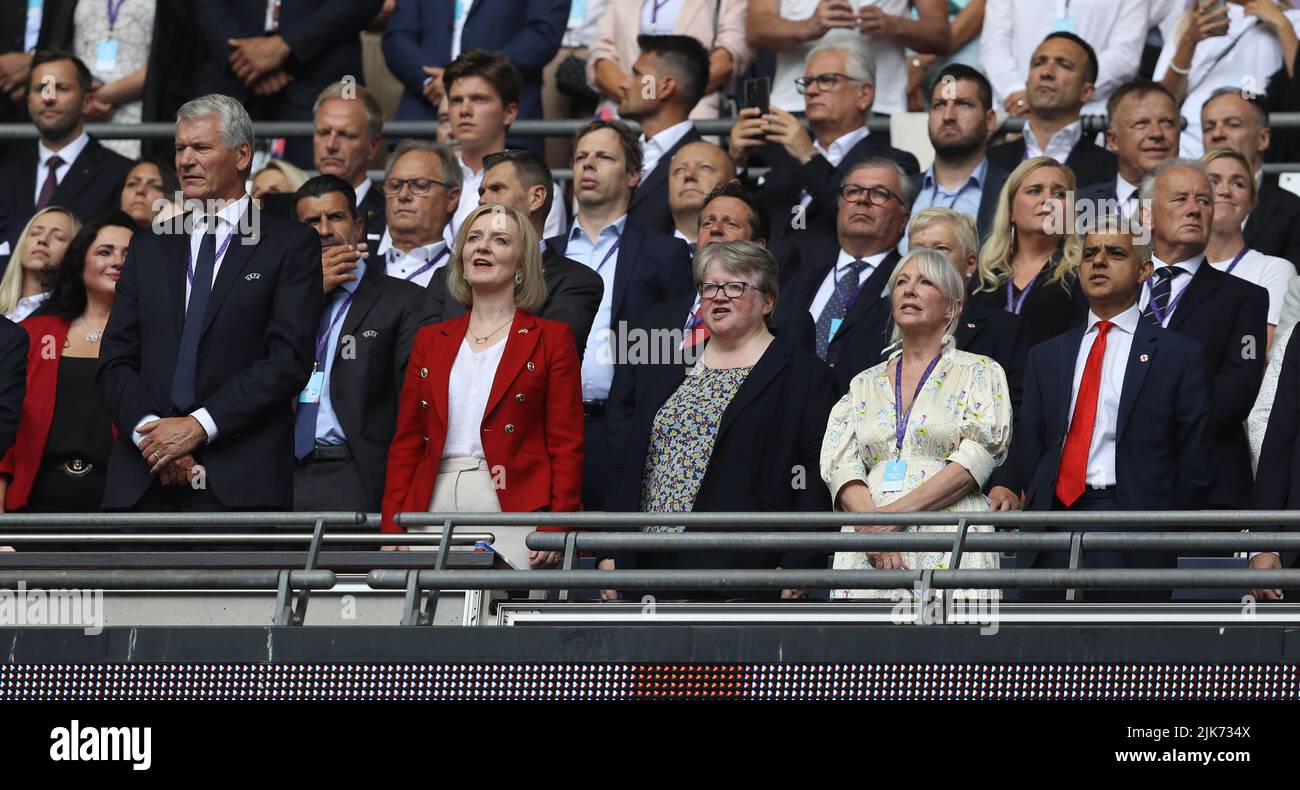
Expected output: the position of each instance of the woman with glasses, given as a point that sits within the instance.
(1030, 261)
(735, 426)
(922, 431)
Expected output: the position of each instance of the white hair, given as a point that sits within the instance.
(859, 60)
(232, 119)
(935, 267)
(1148, 191)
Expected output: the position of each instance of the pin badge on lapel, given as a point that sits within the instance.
(523, 331)
(253, 276)
(1144, 358)
(370, 333)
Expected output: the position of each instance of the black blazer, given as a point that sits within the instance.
(649, 206)
(1164, 439)
(373, 215)
(13, 381)
(572, 296)
(255, 356)
(92, 187)
(994, 179)
(13, 36)
(1091, 163)
(766, 456)
(1277, 481)
(1048, 310)
(787, 180)
(998, 335)
(382, 320)
(1273, 227)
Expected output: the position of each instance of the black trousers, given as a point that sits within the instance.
(330, 485)
(597, 475)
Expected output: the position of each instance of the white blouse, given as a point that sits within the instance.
(1257, 422)
(467, 395)
(1272, 274)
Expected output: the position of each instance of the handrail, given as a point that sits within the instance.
(167, 579)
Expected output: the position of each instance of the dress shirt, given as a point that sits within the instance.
(1119, 341)
(1059, 146)
(835, 153)
(659, 17)
(598, 362)
(26, 306)
(584, 23)
(32, 32)
(1126, 196)
(404, 265)
(328, 428)
(965, 198)
(470, 181)
(468, 388)
(1176, 287)
(653, 150)
(362, 189)
(690, 244)
(227, 223)
(1272, 274)
(68, 154)
(842, 268)
(460, 10)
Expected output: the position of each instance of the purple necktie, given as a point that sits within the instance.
(51, 182)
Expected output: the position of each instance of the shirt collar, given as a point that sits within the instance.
(1067, 137)
(976, 177)
(1123, 189)
(837, 150)
(1127, 320)
(617, 229)
(68, 154)
(1190, 265)
(842, 263)
(667, 138)
(362, 189)
(229, 213)
(351, 285)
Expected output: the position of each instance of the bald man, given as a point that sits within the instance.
(695, 169)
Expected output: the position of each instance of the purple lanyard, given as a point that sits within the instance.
(1236, 260)
(189, 270)
(113, 11)
(953, 203)
(1015, 305)
(901, 417)
(428, 265)
(654, 11)
(1163, 315)
(323, 339)
(609, 253)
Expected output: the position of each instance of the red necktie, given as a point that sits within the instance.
(51, 182)
(1074, 459)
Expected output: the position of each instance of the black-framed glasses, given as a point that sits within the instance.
(732, 290)
(824, 81)
(419, 186)
(876, 196)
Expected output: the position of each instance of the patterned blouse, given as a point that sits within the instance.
(133, 34)
(961, 416)
(681, 442)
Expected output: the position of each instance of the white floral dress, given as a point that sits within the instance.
(962, 416)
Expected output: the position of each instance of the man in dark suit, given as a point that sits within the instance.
(349, 132)
(519, 178)
(1229, 120)
(843, 283)
(1225, 313)
(277, 60)
(693, 173)
(343, 425)
(1143, 133)
(13, 381)
(1117, 416)
(665, 84)
(1062, 75)
(1277, 481)
(637, 266)
(199, 365)
(419, 42)
(422, 185)
(18, 42)
(961, 119)
(800, 190)
(66, 166)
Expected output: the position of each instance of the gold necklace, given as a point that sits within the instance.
(481, 340)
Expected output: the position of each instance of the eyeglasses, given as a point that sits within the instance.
(825, 81)
(732, 290)
(419, 186)
(876, 196)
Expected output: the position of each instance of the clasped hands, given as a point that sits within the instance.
(259, 61)
(168, 446)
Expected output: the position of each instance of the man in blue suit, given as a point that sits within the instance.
(423, 36)
(1116, 416)
(639, 267)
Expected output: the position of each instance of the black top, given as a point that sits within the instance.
(1049, 310)
(81, 427)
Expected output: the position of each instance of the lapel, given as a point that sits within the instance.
(1068, 354)
(659, 176)
(1140, 359)
(79, 175)
(994, 179)
(1201, 286)
(772, 362)
(176, 252)
(27, 179)
(232, 267)
(869, 297)
(972, 321)
(443, 356)
(1265, 208)
(629, 249)
(364, 298)
(475, 5)
(520, 343)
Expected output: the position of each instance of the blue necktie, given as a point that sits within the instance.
(845, 287)
(187, 358)
(1160, 293)
(304, 420)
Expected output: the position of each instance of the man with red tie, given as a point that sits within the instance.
(1116, 416)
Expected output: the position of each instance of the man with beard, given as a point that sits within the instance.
(961, 120)
(65, 167)
(693, 172)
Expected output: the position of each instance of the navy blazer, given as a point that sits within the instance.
(1091, 163)
(255, 355)
(91, 188)
(649, 206)
(13, 381)
(1273, 227)
(994, 179)
(526, 32)
(1277, 481)
(1163, 442)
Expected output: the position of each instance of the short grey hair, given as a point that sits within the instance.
(906, 189)
(859, 60)
(740, 257)
(232, 119)
(1256, 111)
(963, 227)
(1113, 223)
(935, 267)
(374, 112)
(1148, 191)
(451, 174)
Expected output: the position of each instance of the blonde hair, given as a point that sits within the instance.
(935, 267)
(292, 173)
(994, 267)
(530, 283)
(1239, 158)
(11, 285)
(963, 227)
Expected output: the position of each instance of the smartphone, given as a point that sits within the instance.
(757, 93)
(1210, 6)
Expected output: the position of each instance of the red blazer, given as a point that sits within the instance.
(46, 335)
(532, 426)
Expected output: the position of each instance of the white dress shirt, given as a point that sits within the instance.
(407, 265)
(468, 389)
(1059, 146)
(598, 361)
(556, 221)
(584, 23)
(68, 154)
(842, 268)
(1013, 29)
(1176, 288)
(362, 189)
(1272, 274)
(1119, 341)
(653, 150)
(1126, 195)
(659, 17)
(26, 306)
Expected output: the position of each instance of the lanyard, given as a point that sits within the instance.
(654, 11)
(221, 251)
(113, 11)
(1163, 315)
(1236, 260)
(901, 417)
(953, 203)
(323, 339)
(609, 253)
(428, 265)
(1015, 305)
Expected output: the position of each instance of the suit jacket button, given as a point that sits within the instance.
(424, 404)
(520, 397)
(424, 373)
(426, 440)
(510, 428)
(530, 367)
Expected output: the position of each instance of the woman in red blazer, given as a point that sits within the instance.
(490, 417)
(58, 460)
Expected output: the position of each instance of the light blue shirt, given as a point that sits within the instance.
(598, 361)
(965, 198)
(328, 428)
